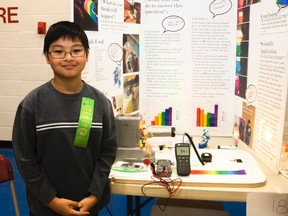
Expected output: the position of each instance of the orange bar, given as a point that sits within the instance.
(201, 118)
(156, 120)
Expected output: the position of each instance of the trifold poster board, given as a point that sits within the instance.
(219, 65)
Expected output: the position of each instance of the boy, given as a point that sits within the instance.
(64, 134)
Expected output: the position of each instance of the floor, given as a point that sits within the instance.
(117, 206)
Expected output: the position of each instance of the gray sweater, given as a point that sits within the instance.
(43, 136)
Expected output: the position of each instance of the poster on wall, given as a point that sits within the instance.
(170, 61)
(189, 65)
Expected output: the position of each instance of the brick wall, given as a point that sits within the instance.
(22, 65)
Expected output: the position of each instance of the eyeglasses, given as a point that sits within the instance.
(59, 54)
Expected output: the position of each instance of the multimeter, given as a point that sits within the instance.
(182, 154)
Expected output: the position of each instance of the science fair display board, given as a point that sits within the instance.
(219, 65)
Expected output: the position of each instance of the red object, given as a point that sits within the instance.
(41, 28)
(146, 161)
(6, 174)
(6, 171)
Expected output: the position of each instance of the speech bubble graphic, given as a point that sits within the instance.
(251, 94)
(115, 52)
(220, 7)
(173, 23)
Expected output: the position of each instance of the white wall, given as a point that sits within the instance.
(22, 65)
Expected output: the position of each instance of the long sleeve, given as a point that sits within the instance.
(107, 152)
(24, 142)
(43, 141)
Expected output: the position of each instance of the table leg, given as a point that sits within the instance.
(129, 205)
(138, 206)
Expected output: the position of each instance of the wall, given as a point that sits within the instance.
(22, 65)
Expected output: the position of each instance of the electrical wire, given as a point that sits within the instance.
(171, 185)
(108, 210)
(194, 147)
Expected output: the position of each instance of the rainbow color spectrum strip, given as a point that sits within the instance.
(219, 172)
(89, 7)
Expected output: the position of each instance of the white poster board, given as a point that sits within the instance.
(213, 65)
(182, 51)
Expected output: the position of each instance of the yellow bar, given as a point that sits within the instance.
(205, 120)
(159, 119)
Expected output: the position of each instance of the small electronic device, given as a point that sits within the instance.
(164, 168)
(206, 157)
(182, 153)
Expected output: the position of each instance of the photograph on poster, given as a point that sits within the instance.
(130, 53)
(240, 86)
(117, 103)
(132, 11)
(131, 94)
(241, 66)
(86, 14)
(245, 127)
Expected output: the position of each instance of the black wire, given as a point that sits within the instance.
(110, 213)
(165, 204)
(159, 206)
(167, 186)
(193, 145)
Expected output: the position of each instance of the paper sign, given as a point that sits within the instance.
(267, 204)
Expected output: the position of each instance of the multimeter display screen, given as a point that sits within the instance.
(182, 150)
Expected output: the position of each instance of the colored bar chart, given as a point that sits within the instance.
(163, 118)
(207, 119)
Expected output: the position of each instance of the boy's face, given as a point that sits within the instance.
(68, 66)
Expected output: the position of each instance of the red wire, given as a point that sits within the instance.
(168, 183)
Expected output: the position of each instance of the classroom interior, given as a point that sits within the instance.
(245, 93)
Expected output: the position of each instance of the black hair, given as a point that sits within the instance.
(66, 30)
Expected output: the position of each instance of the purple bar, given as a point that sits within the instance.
(216, 115)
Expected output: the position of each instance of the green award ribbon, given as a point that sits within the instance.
(84, 123)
